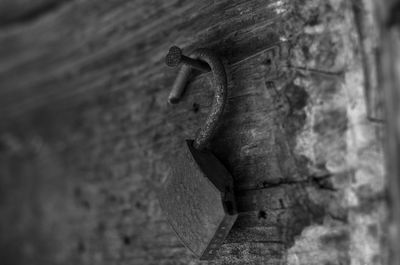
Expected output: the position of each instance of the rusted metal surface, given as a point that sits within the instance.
(173, 58)
(197, 198)
(198, 183)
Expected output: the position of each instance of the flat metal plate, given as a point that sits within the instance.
(194, 206)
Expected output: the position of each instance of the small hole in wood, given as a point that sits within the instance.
(262, 215)
(127, 240)
(81, 247)
(195, 107)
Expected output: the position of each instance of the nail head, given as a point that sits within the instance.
(174, 56)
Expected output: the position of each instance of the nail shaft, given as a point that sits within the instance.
(179, 85)
(197, 64)
(173, 59)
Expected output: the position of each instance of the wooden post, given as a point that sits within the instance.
(387, 15)
(85, 129)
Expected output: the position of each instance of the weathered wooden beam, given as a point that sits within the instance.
(13, 13)
(86, 131)
(387, 16)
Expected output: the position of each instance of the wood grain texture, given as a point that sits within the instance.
(16, 12)
(86, 131)
(386, 14)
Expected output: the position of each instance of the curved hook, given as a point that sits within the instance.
(205, 60)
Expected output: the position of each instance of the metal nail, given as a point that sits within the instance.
(175, 58)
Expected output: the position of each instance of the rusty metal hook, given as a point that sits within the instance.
(204, 60)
